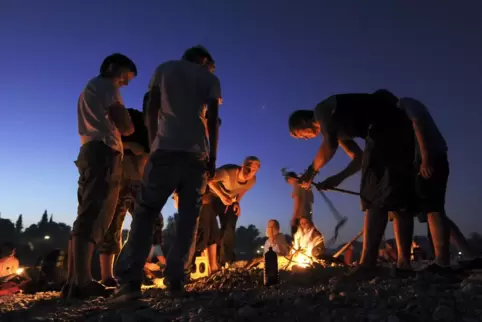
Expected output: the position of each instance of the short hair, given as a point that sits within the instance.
(299, 118)
(386, 96)
(276, 223)
(290, 175)
(111, 65)
(252, 158)
(197, 53)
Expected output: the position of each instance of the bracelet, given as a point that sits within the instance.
(311, 173)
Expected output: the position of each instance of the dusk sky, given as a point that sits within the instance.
(273, 57)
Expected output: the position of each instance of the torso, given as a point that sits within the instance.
(306, 201)
(229, 180)
(92, 113)
(185, 89)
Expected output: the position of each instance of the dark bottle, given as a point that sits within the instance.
(271, 276)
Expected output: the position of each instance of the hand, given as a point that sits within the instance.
(329, 183)
(236, 209)
(307, 178)
(211, 168)
(226, 200)
(426, 169)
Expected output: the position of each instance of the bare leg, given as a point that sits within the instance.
(403, 230)
(83, 250)
(212, 256)
(106, 266)
(374, 228)
(441, 237)
(70, 263)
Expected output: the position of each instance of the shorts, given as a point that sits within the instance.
(431, 192)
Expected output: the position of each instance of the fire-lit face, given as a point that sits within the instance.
(249, 169)
(304, 133)
(305, 224)
(272, 229)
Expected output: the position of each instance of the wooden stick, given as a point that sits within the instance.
(347, 245)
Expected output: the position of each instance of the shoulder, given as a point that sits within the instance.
(229, 167)
(324, 110)
(412, 105)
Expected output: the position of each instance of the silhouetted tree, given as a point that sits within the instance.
(19, 224)
(169, 232)
(247, 241)
(8, 233)
(51, 220)
(45, 219)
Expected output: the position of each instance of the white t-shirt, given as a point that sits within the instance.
(93, 113)
(185, 89)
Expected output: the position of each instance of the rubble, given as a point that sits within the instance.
(238, 295)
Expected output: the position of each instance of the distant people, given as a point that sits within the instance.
(387, 182)
(302, 199)
(227, 188)
(309, 239)
(180, 155)
(102, 120)
(136, 152)
(432, 167)
(276, 240)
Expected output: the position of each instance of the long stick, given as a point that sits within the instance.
(347, 245)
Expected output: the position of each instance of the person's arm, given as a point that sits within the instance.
(121, 118)
(352, 149)
(214, 183)
(135, 147)
(152, 117)
(213, 127)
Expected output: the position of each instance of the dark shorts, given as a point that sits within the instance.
(208, 229)
(431, 192)
(100, 175)
(387, 176)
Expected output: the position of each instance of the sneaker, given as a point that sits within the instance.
(175, 288)
(468, 265)
(126, 293)
(92, 289)
(110, 282)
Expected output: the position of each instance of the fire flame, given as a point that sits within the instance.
(301, 259)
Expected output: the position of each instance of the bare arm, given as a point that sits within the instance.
(152, 117)
(214, 184)
(120, 116)
(352, 149)
(135, 147)
(422, 142)
(327, 149)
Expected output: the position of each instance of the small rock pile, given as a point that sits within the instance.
(238, 295)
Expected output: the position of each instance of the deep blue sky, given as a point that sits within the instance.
(272, 57)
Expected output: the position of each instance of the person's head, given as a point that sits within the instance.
(119, 68)
(249, 168)
(200, 55)
(386, 96)
(291, 177)
(302, 125)
(306, 223)
(273, 228)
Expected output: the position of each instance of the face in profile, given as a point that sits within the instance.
(125, 76)
(304, 133)
(249, 169)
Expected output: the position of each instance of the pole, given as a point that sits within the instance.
(347, 245)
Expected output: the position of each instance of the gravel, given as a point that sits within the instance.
(238, 295)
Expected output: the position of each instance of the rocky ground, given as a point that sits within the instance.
(238, 295)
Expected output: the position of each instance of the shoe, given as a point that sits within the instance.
(110, 282)
(92, 289)
(175, 288)
(126, 293)
(468, 265)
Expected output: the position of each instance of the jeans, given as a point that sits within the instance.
(165, 172)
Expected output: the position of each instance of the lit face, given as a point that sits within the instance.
(124, 78)
(272, 229)
(249, 169)
(305, 224)
(305, 133)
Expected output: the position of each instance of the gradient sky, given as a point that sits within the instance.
(273, 57)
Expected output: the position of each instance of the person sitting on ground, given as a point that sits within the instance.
(303, 201)
(309, 239)
(387, 180)
(276, 240)
(102, 120)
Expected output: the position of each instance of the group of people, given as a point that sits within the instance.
(132, 160)
(404, 171)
